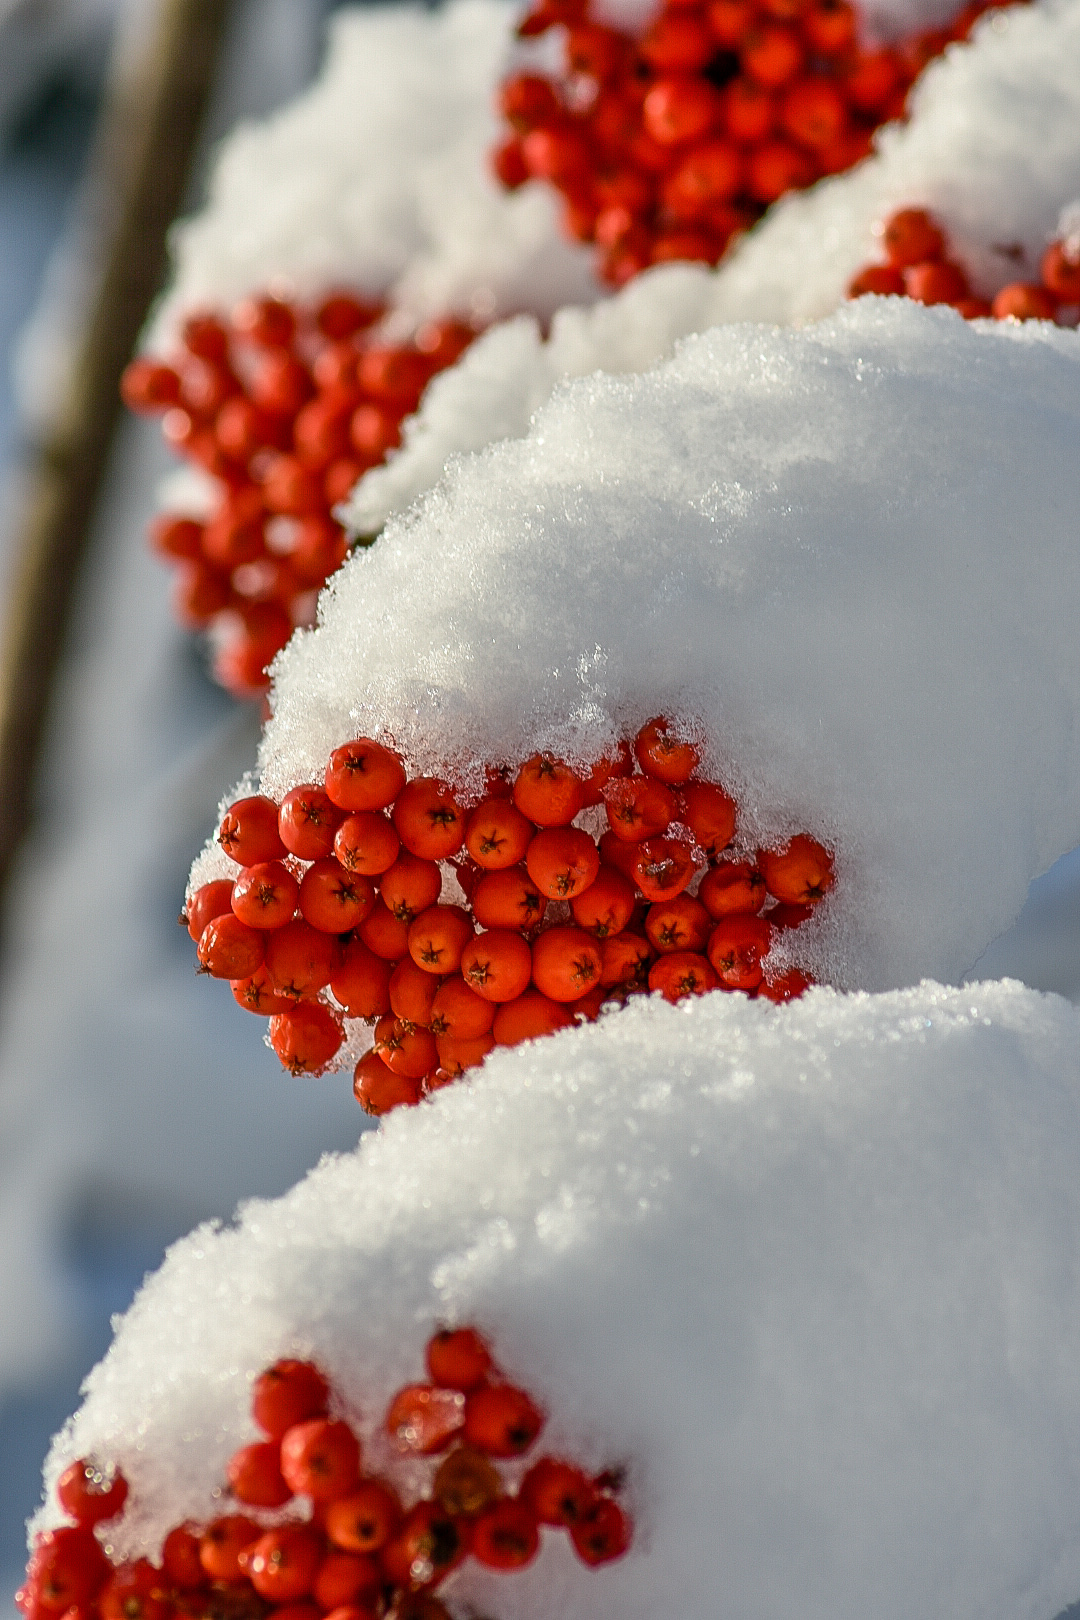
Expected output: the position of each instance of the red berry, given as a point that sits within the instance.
(1060, 273)
(229, 949)
(883, 279)
(506, 1536)
(364, 775)
(333, 899)
(501, 1420)
(176, 537)
(320, 1458)
(663, 756)
(1022, 301)
(221, 1544)
(424, 1419)
(602, 1533)
(288, 1393)
(180, 1557)
(379, 1090)
(677, 111)
(427, 1546)
(147, 386)
(935, 282)
(458, 1358)
(306, 1037)
(66, 1568)
(210, 901)
(300, 960)
(364, 1521)
(249, 831)
(135, 1591)
(557, 1492)
(911, 236)
(429, 820)
(265, 896)
(682, 973)
(90, 1494)
(339, 315)
(307, 822)
(736, 948)
(345, 1577)
(267, 322)
(283, 1563)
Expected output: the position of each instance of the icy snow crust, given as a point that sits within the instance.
(844, 556)
(378, 178)
(811, 1272)
(993, 148)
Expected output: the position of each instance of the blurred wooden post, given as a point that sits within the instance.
(160, 78)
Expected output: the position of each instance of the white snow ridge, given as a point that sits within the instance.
(811, 1272)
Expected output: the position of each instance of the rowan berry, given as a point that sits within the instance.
(404, 1048)
(663, 868)
(709, 813)
(785, 986)
(465, 1483)
(813, 113)
(423, 1418)
(883, 279)
(678, 924)
(732, 886)
(364, 1521)
(175, 537)
(210, 901)
(457, 1011)
(437, 938)
(607, 904)
(345, 1578)
(682, 973)
(530, 1015)
(869, 83)
(306, 1037)
(300, 960)
(373, 430)
(427, 1546)
(307, 822)
(497, 965)
(282, 1564)
(242, 429)
(364, 775)
(411, 885)
(265, 896)
(67, 1568)
(829, 27)
(566, 963)
(911, 236)
(557, 1492)
(378, 1089)
(562, 862)
(680, 111)
(147, 386)
(249, 831)
(254, 1475)
(710, 173)
(317, 550)
(596, 52)
(269, 323)
(617, 760)
(638, 807)
(678, 43)
(501, 1420)
(548, 791)
(935, 282)
(505, 1536)
(180, 1557)
(135, 1591)
(334, 900)
(1060, 273)
(625, 961)
(457, 1053)
(663, 756)
(736, 948)
(749, 112)
(340, 314)
(229, 949)
(366, 843)
(458, 1358)
(1023, 301)
(800, 873)
(320, 1458)
(384, 934)
(394, 376)
(526, 101)
(429, 820)
(221, 1544)
(776, 167)
(412, 992)
(292, 489)
(287, 1393)
(497, 834)
(235, 534)
(508, 163)
(602, 1533)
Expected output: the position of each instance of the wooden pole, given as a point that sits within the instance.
(159, 83)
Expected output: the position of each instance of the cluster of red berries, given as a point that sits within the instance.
(286, 408)
(339, 897)
(667, 145)
(918, 265)
(359, 1552)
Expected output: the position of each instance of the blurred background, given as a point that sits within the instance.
(134, 1101)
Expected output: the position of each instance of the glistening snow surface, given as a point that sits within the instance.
(378, 179)
(811, 1272)
(846, 554)
(993, 148)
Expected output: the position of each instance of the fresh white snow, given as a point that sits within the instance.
(845, 553)
(992, 148)
(811, 1272)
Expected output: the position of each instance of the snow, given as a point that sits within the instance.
(993, 148)
(843, 555)
(810, 1271)
(378, 178)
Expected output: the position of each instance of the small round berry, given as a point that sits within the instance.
(465, 1483)
(548, 792)
(458, 1358)
(254, 1476)
(221, 1544)
(320, 1458)
(364, 775)
(307, 1037)
(283, 1563)
(288, 1393)
(424, 1419)
(229, 949)
(364, 1521)
(501, 1420)
(429, 820)
(506, 1536)
(603, 1532)
(557, 1492)
(90, 1494)
(249, 831)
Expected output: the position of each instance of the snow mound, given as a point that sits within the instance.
(378, 178)
(993, 147)
(845, 555)
(810, 1271)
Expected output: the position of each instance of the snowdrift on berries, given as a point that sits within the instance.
(992, 148)
(844, 554)
(809, 1273)
(377, 179)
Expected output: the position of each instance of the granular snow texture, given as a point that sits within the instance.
(378, 179)
(993, 148)
(845, 556)
(811, 1272)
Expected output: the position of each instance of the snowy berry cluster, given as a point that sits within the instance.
(918, 265)
(358, 1551)
(285, 408)
(340, 892)
(666, 145)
